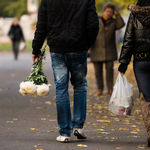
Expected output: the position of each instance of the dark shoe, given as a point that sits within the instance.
(79, 133)
(110, 92)
(145, 108)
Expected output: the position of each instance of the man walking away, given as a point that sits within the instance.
(71, 27)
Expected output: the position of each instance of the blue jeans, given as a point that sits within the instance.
(142, 74)
(76, 65)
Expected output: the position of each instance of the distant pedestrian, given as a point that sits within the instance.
(104, 50)
(137, 43)
(16, 35)
(71, 28)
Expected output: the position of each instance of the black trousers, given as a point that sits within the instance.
(15, 45)
(109, 74)
(142, 74)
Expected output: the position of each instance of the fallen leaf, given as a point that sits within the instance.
(43, 119)
(9, 122)
(39, 107)
(137, 129)
(142, 146)
(134, 136)
(36, 145)
(80, 145)
(117, 147)
(104, 132)
(138, 122)
(134, 132)
(33, 129)
(48, 102)
(15, 119)
(50, 131)
(100, 130)
(52, 120)
(133, 126)
(85, 146)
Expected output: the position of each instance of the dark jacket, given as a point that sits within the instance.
(137, 36)
(15, 33)
(69, 25)
(104, 48)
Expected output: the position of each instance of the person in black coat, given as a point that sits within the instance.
(137, 43)
(16, 35)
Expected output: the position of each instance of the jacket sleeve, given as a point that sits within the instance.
(10, 31)
(119, 22)
(128, 43)
(21, 34)
(92, 23)
(41, 29)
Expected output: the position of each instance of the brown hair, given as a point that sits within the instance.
(109, 5)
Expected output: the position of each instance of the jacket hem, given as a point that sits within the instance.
(56, 49)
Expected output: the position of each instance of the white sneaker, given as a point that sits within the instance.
(65, 139)
(79, 133)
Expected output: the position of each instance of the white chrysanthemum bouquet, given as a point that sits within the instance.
(36, 84)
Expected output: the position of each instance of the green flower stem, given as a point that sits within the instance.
(37, 76)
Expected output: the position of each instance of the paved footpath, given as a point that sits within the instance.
(28, 123)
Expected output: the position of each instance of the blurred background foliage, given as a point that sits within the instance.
(11, 8)
(121, 4)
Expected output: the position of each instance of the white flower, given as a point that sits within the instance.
(35, 94)
(23, 92)
(29, 87)
(43, 89)
(49, 85)
(22, 85)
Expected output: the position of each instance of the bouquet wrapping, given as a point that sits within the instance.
(36, 84)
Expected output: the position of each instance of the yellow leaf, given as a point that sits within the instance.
(104, 117)
(80, 145)
(15, 119)
(9, 122)
(100, 130)
(48, 102)
(136, 129)
(50, 131)
(39, 107)
(33, 129)
(138, 122)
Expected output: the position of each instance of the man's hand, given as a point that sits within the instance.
(90, 49)
(121, 73)
(34, 56)
(115, 11)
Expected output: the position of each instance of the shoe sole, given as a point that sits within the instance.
(79, 136)
(65, 141)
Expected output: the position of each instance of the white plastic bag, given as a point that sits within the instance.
(121, 101)
(22, 46)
